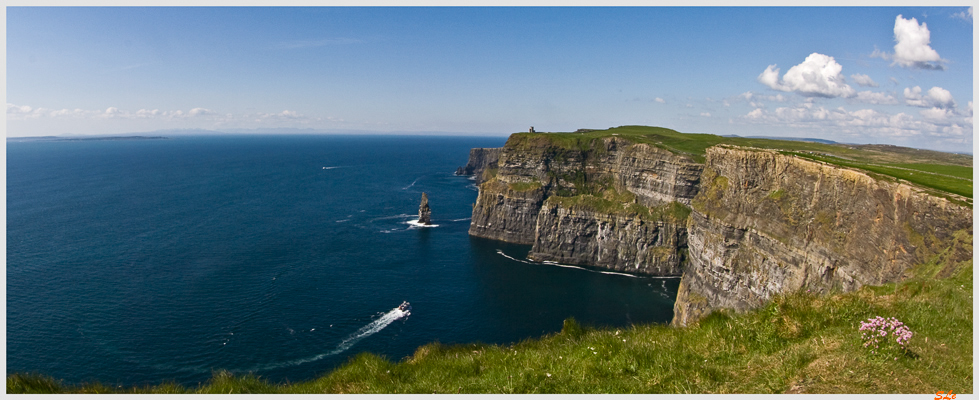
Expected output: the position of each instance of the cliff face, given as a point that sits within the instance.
(481, 160)
(634, 243)
(506, 214)
(765, 223)
(759, 222)
(532, 169)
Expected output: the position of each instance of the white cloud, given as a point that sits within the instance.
(705, 114)
(751, 97)
(941, 97)
(200, 111)
(15, 112)
(819, 75)
(285, 114)
(935, 97)
(875, 98)
(912, 49)
(936, 114)
(660, 100)
(966, 15)
(936, 122)
(863, 80)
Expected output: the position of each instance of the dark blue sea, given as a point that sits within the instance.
(136, 262)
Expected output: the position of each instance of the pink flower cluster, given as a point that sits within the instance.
(875, 332)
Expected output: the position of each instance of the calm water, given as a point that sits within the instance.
(136, 262)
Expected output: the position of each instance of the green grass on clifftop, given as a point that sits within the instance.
(801, 343)
(946, 172)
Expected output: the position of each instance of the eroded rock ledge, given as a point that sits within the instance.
(741, 227)
(613, 204)
(765, 223)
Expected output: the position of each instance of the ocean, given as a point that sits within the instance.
(135, 262)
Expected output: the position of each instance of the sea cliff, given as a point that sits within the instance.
(741, 224)
(766, 223)
(609, 203)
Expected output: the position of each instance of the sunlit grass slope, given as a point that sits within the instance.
(797, 343)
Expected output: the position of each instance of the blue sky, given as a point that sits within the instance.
(860, 75)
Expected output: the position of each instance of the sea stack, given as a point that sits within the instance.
(424, 213)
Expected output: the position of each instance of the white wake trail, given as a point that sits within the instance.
(412, 184)
(365, 331)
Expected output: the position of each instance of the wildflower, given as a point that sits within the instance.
(875, 330)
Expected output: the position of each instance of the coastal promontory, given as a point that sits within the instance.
(739, 220)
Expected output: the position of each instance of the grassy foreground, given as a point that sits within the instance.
(800, 343)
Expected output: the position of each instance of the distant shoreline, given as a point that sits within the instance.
(75, 139)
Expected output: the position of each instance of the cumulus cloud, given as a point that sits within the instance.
(819, 75)
(912, 49)
(705, 114)
(660, 100)
(200, 111)
(285, 114)
(15, 112)
(936, 114)
(935, 97)
(966, 15)
(875, 97)
(935, 122)
(863, 80)
(751, 97)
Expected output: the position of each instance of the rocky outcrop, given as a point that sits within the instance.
(424, 212)
(482, 161)
(505, 213)
(744, 226)
(765, 223)
(533, 168)
(638, 243)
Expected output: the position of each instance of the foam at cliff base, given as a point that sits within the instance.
(414, 223)
(500, 252)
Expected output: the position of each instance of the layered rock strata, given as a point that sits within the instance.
(762, 223)
(531, 169)
(424, 211)
(765, 223)
(482, 161)
(625, 242)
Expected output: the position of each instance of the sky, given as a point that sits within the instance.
(895, 75)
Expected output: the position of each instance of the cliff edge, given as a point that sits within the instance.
(766, 223)
(742, 220)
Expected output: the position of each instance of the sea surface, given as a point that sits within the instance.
(134, 262)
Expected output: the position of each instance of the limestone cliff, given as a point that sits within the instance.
(613, 197)
(742, 226)
(765, 223)
(481, 164)
(638, 242)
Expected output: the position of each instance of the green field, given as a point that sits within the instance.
(946, 172)
(801, 343)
